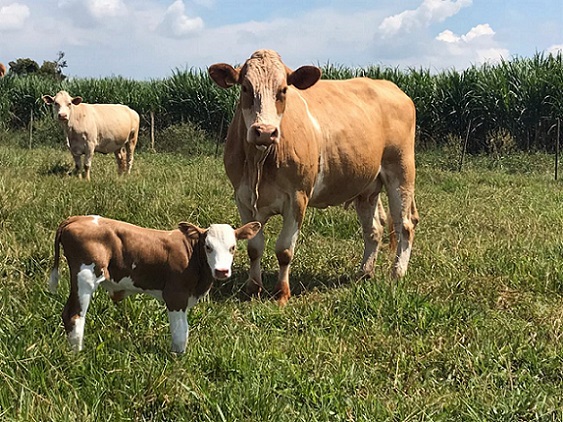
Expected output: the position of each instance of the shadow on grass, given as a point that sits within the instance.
(301, 282)
(59, 168)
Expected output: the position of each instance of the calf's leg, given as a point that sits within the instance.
(84, 282)
(179, 329)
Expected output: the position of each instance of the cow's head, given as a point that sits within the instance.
(264, 80)
(220, 244)
(63, 103)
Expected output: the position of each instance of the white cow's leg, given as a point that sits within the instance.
(74, 315)
(77, 165)
(121, 160)
(130, 150)
(88, 162)
(179, 329)
(369, 214)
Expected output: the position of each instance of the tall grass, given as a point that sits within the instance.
(520, 99)
(472, 333)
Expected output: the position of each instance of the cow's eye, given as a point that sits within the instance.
(208, 249)
(232, 249)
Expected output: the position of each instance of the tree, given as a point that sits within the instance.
(52, 69)
(23, 67)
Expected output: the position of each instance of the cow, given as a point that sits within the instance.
(177, 267)
(102, 128)
(2, 70)
(297, 141)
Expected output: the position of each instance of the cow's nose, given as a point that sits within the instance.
(222, 274)
(63, 117)
(265, 134)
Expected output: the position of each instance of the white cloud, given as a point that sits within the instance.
(177, 24)
(477, 45)
(101, 9)
(448, 36)
(13, 16)
(430, 11)
(555, 49)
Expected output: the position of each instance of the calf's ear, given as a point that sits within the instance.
(190, 230)
(224, 74)
(76, 100)
(248, 231)
(48, 99)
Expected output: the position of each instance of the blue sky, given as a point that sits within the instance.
(143, 39)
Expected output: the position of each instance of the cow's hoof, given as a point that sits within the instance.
(253, 288)
(282, 295)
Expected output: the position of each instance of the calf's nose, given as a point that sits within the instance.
(221, 273)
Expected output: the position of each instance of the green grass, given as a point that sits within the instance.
(473, 332)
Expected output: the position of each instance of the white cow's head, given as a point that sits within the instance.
(63, 103)
(219, 243)
(264, 81)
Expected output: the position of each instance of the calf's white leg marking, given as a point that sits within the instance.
(87, 282)
(179, 329)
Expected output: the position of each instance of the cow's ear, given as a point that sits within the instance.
(248, 231)
(304, 77)
(224, 74)
(76, 100)
(190, 230)
(48, 99)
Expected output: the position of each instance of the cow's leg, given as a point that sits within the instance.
(255, 250)
(372, 219)
(399, 183)
(77, 165)
(84, 282)
(88, 162)
(179, 329)
(285, 245)
(130, 149)
(121, 160)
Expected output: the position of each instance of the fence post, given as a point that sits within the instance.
(30, 128)
(152, 131)
(464, 149)
(557, 148)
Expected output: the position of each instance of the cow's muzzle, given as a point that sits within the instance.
(263, 135)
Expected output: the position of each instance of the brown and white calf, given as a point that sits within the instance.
(89, 128)
(177, 267)
(2, 70)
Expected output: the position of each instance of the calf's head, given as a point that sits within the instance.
(264, 80)
(63, 104)
(219, 243)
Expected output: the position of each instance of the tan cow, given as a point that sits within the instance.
(297, 141)
(2, 70)
(102, 128)
(176, 267)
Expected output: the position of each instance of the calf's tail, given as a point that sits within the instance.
(54, 277)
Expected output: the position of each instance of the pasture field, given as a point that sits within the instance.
(473, 332)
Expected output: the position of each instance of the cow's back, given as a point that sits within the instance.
(115, 124)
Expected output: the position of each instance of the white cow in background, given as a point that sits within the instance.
(102, 128)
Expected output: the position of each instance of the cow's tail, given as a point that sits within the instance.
(54, 277)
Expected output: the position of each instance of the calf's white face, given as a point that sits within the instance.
(220, 246)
